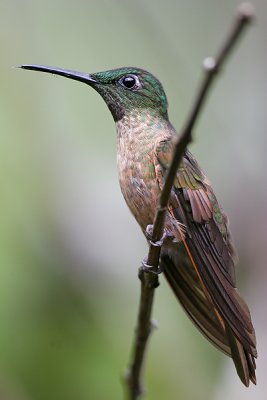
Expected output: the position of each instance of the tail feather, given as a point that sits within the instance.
(196, 302)
(239, 357)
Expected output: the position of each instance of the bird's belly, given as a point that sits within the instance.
(141, 197)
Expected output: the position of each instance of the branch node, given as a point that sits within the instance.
(246, 11)
(153, 325)
(136, 387)
(210, 65)
(148, 275)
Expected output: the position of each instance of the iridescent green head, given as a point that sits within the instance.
(123, 89)
(126, 89)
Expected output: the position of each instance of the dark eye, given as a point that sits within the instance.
(130, 82)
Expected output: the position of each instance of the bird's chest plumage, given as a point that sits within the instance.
(136, 169)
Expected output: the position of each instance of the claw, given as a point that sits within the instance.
(149, 232)
(149, 268)
(145, 268)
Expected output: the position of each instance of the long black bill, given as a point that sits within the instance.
(77, 76)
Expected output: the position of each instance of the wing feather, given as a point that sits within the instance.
(208, 295)
(191, 296)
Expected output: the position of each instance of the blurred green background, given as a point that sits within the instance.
(69, 248)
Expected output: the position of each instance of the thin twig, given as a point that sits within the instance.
(149, 280)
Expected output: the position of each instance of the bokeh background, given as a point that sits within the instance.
(69, 248)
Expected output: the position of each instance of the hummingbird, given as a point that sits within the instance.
(198, 257)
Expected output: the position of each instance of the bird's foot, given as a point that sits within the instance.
(148, 234)
(149, 269)
(145, 268)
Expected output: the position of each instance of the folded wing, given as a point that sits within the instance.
(201, 269)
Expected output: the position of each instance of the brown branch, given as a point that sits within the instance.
(149, 280)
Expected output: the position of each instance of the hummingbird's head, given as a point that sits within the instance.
(127, 89)
(123, 89)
